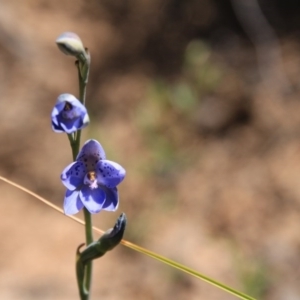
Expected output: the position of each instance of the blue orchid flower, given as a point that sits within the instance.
(69, 114)
(91, 181)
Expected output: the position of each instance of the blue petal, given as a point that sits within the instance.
(72, 203)
(93, 199)
(55, 126)
(112, 199)
(91, 152)
(72, 176)
(54, 119)
(57, 109)
(70, 126)
(109, 173)
(83, 121)
(59, 124)
(79, 109)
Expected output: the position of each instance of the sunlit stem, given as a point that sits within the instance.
(89, 240)
(83, 66)
(71, 137)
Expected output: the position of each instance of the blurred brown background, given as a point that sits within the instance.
(199, 100)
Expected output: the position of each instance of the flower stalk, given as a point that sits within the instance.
(89, 240)
(70, 44)
(83, 67)
(91, 180)
(85, 287)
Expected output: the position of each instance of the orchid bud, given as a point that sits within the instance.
(70, 44)
(109, 240)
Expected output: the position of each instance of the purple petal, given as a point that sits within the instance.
(60, 124)
(93, 199)
(91, 153)
(112, 199)
(70, 126)
(72, 176)
(57, 109)
(109, 173)
(72, 203)
(54, 119)
(55, 126)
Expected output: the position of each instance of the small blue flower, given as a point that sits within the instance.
(69, 114)
(91, 181)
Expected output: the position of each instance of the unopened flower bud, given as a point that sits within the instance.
(109, 240)
(70, 44)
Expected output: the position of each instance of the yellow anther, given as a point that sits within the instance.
(91, 176)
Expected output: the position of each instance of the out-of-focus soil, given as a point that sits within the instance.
(227, 205)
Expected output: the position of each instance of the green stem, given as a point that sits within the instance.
(76, 144)
(83, 79)
(89, 240)
(85, 284)
(73, 146)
